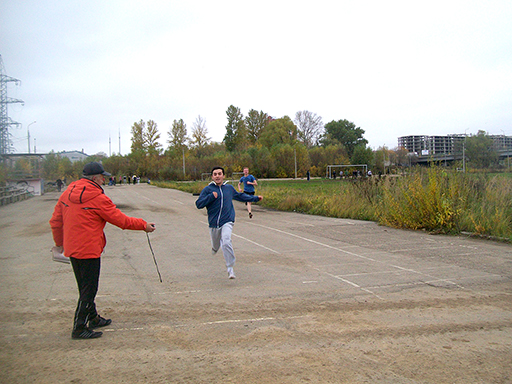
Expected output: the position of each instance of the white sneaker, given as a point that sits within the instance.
(231, 273)
(214, 252)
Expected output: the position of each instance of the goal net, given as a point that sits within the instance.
(334, 169)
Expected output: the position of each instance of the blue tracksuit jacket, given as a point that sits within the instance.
(220, 209)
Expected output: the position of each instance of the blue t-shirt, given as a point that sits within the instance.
(248, 187)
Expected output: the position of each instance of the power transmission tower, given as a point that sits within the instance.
(5, 120)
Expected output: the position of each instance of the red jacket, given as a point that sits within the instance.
(79, 217)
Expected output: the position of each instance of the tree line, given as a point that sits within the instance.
(271, 147)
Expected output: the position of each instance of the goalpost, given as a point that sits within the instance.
(328, 172)
(206, 176)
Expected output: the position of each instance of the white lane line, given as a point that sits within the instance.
(147, 198)
(354, 285)
(156, 202)
(231, 321)
(415, 284)
(183, 292)
(426, 275)
(123, 329)
(356, 255)
(237, 321)
(250, 241)
(253, 242)
(294, 223)
(315, 242)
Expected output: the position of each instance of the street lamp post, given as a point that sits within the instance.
(183, 149)
(28, 135)
(295, 156)
(464, 152)
(506, 147)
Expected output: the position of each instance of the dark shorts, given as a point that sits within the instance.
(249, 193)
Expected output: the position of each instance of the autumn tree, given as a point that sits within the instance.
(236, 132)
(178, 135)
(200, 133)
(382, 159)
(279, 131)
(138, 144)
(255, 123)
(480, 150)
(345, 133)
(362, 155)
(309, 127)
(151, 137)
(145, 137)
(144, 156)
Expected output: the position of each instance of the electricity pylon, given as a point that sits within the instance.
(5, 120)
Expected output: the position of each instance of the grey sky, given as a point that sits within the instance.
(394, 68)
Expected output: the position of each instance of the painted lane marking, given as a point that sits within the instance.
(315, 242)
(123, 329)
(253, 242)
(232, 321)
(183, 292)
(356, 255)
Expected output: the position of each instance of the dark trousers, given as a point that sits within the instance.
(87, 274)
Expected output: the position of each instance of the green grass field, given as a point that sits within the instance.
(434, 199)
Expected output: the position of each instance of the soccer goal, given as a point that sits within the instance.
(206, 176)
(334, 167)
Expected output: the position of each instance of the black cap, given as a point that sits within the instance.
(95, 168)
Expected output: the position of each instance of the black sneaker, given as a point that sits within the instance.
(99, 321)
(85, 333)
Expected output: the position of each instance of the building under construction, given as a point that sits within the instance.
(431, 145)
(449, 148)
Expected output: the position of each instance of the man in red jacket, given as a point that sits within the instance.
(77, 226)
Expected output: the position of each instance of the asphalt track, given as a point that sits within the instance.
(290, 267)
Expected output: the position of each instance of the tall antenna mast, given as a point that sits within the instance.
(5, 121)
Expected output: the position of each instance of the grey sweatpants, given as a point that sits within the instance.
(221, 238)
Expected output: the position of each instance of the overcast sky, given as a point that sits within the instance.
(90, 69)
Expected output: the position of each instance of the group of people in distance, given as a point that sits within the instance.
(83, 209)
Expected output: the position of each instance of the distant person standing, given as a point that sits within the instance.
(218, 197)
(248, 181)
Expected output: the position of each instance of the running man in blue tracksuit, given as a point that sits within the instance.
(248, 181)
(218, 197)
